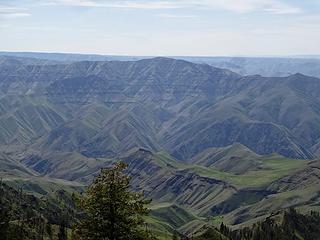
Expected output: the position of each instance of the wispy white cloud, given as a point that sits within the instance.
(175, 16)
(77, 3)
(12, 12)
(117, 4)
(238, 6)
(245, 6)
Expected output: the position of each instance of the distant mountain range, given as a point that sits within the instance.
(265, 66)
(104, 108)
(204, 139)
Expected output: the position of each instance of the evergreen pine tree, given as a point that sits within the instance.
(112, 211)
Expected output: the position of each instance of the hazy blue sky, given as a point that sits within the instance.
(162, 27)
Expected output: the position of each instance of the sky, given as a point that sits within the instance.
(162, 27)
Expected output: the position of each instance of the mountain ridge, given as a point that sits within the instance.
(182, 97)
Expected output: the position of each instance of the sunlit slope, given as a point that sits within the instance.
(192, 193)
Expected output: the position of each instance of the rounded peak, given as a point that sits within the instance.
(297, 75)
(138, 150)
(165, 60)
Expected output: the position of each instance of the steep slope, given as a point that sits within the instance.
(235, 159)
(264, 106)
(174, 215)
(63, 165)
(106, 108)
(262, 137)
(308, 177)
(299, 189)
(16, 174)
(316, 149)
(24, 119)
(125, 130)
(164, 182)
(11, 167)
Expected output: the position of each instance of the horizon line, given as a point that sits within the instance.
(169, 56)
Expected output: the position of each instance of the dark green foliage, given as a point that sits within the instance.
(294, 226)
(4, 215)
(175, 236)
(210, 234)
(24, 216)
(112, 211)
(63, 235)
